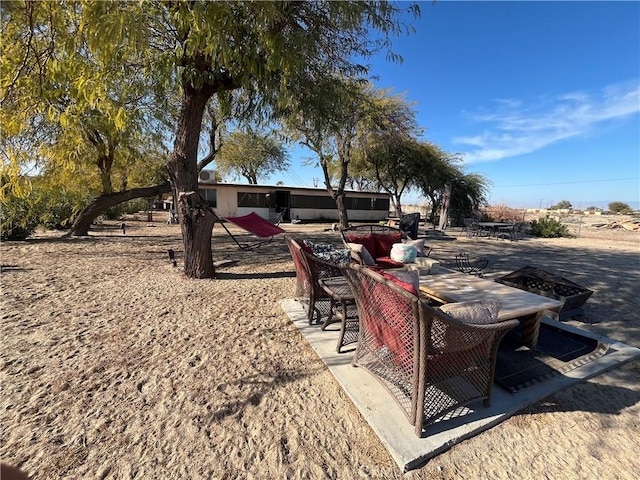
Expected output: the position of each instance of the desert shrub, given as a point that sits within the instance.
(59, 207)
(132, 206)
(135, 205)
(19, 217)
(501, 212)
(486, 217)
(548, 228)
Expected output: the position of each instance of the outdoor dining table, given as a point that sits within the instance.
(447, 286)
(493, 227)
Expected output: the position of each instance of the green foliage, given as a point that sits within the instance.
(19, 208)
(58, 207)
(619, 207)
(252, 155)
(80, 120)
(468, 194)
(19, 216)
(387, 142)
(132, 206)
(562, 205)
(548, 228)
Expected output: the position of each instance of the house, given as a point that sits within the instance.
(292, 203)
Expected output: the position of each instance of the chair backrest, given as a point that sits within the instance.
(431, 363)
(309, 268)
(371, 228)
(388, 317)
(304, 280)
(409, 224)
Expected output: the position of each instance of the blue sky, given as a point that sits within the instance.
(541, 98)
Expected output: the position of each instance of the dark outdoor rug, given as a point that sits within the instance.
(557, 352)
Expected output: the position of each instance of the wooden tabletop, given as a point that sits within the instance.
(450, 286)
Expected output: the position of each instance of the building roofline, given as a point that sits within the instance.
(281, 187)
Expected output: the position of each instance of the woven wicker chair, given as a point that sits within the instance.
(310, 269)
(431, 364)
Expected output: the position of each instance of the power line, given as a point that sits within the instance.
(568, 183)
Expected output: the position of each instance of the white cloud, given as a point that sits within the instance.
(517, 129)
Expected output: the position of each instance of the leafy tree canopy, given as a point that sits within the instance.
(110, 55)
(619, 207)
(562, 205)
(252, 155)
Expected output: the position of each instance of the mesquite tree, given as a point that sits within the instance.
(66, 113)
(199, 49)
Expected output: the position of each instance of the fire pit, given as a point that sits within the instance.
(536, 280)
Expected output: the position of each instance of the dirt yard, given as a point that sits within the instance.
(116, 366)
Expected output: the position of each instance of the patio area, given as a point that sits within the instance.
(387, 420)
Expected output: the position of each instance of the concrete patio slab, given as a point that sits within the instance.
(389, 423)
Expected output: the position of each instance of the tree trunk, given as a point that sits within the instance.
(85, 218)
(197, 224)
(343, 218)
(397, 206)
(444, 212)
(195, 216)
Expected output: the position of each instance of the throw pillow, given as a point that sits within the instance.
(384, 242)
(318, 247)
(417, 244)
(336, 256)
(476, 312)
(366, 240)
(362, 253)
(403, 253)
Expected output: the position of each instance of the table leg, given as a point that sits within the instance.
(531, 329)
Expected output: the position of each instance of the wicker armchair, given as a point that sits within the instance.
(310, 269)
(430, 363)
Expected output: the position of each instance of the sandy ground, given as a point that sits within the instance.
(114, 365)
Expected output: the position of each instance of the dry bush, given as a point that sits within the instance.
(502, 212)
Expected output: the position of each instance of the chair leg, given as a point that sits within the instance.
(312, 309)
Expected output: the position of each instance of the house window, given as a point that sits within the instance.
(210, 195)
(252, 200)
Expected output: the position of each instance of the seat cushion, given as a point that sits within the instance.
(386, 262)
(384, 242)
(364, 239)
(407, 279)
